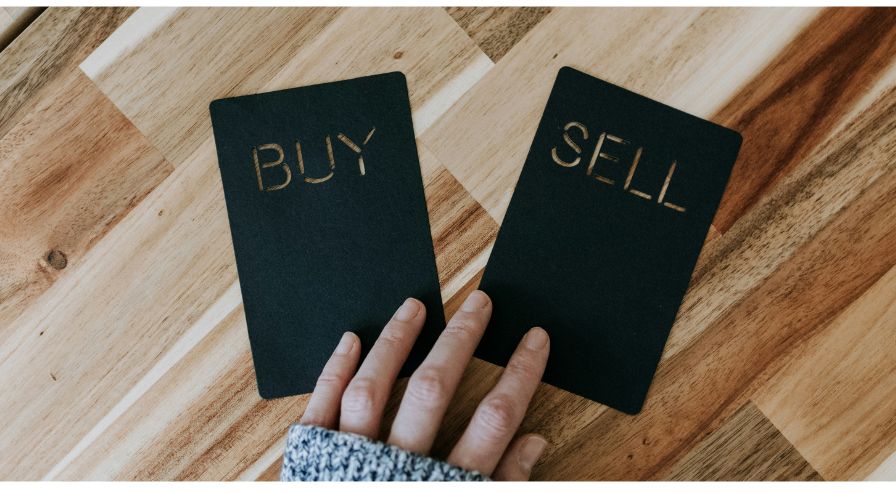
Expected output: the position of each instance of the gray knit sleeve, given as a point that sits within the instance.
(318, 454)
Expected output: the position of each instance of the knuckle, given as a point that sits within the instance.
(329, 380)
(522, 365)
(427, 387)
(498, 415)
(313, 419)
(392, 334)
(462, 326)
(359, 396)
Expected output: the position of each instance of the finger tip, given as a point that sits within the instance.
(537, 338)
(476, 301)
(482, 295)
(538, 437)
(411, 309)
(348, 343)
(531, 450)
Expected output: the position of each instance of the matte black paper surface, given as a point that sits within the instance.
(602, 233)
(328, 219)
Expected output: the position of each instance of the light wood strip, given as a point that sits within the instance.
(71, 168)
(241, 56)
(836, 397)
(223, 307)
(137, 291)
(463, 233)
(180, 430)
(689, 58)
(55, 43)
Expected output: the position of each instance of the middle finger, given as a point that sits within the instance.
(367, 393)
(431, 386)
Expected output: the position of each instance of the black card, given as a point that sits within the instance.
(328, 219)
(602, 233)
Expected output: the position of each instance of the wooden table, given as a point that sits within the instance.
(123, 347)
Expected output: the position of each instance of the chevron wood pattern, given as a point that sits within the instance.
(123, 347)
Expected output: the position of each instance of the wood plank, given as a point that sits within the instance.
(14, 20)
(55, 43)
(835, 400)
(240, 56)
(176, 241)
(557, 413)
(690, 58)
(234, 384)
(182, 431)
(463, 233)
(72, 168)
(228, 362)
(801, 98)
(132, 361)
(697, 388)
(497, 29)
(137, 291)
(747, 447)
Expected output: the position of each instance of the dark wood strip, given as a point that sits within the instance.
(55, 43)
(461, 228)
(794, 104)
(747, 447)
(497, 29)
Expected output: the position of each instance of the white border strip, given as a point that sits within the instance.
(137, 27)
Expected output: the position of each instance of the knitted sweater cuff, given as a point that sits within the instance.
(318, 454)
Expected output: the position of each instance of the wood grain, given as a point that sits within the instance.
(14, 20)
(91, 355)
(701, 384)
(71, 169)
(747, 447)
(182, 431)
(852, 359)
(123, 347)
(55, 43)
(497, 29)
(691, 59)
(801, 97)
(462, 232)
(435, 54)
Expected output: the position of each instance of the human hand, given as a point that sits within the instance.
(355, 402)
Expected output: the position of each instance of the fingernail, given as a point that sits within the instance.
(477, 300)
(537, 338)
(408, 310)
(531, 451)
(345, 344)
